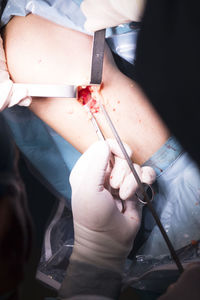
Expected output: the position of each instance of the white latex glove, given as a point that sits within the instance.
(10, 95)
(109, 13)
(121, 176)
(103, 235)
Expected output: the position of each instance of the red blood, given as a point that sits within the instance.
(93, 106)
(85, 97)
(194, 242)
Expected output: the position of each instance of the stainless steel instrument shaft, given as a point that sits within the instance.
(97, 56)
(48, 90)
(141, 187)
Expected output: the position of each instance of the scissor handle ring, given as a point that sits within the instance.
(148, 189)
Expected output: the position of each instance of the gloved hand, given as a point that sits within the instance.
(103, 235)
(109, 13)
(10, 95)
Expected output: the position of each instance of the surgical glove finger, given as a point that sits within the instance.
(109, 13)
(11, 96)
(120, 167)
(148, 175)
(130, 186)
(19, 96)
(5, 94)
(118, 173)
(133, 214)
(25, 102)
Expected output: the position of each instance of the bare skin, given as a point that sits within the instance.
(39, 51)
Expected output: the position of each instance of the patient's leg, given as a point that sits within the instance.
(39, 51)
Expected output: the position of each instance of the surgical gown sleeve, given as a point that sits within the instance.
(84, 281)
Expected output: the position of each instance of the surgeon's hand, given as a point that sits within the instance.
(109, 13)
(103, 235)
(9, 94)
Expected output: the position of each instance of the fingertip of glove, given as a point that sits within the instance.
(114, 183)
(92, 26)
(82, 7)
(26, 101)
(19, 96)
(128, 187)
(124, 194)
(88, 28)
(148, 175)
(87, 25)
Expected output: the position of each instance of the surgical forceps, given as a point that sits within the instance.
(146, 199)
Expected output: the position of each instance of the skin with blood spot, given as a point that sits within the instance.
(70, 111)
(64, 57)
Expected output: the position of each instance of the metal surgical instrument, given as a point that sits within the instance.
(95, 124)
(48, 90)
(96, 78)
(146, 198)
(97, 56)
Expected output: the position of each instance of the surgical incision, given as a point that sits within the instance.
(87, 96)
